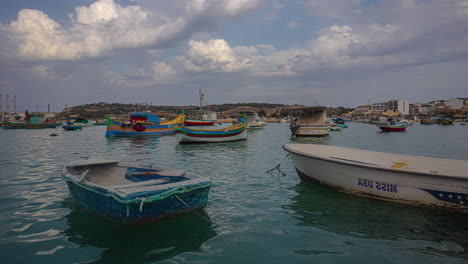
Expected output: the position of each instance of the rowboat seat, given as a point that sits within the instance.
(165, 173)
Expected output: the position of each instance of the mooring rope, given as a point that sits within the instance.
(193, 210)
(278, 167)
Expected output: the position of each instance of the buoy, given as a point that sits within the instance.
(53, 135)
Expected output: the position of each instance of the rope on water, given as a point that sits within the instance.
(193, 210)
(453, 141)
(278, 167)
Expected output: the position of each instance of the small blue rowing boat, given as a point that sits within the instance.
(130, 193)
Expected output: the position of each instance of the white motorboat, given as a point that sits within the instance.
(399, 178)
(312, 121)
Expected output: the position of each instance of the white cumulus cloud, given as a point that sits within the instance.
(104, 26)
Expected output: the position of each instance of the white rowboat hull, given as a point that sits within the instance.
(374, 180)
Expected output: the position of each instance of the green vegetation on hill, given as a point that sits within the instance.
(101, 109)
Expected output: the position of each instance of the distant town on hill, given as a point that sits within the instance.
(101, 109)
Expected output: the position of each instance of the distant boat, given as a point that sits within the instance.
(392, 126)
(398, 178)
(71, 127)
(235, 132)
(130, 193)
(445, 121)
(427, 121)
(253, 120)
(35, 120)
(373, 120)
(203, 118)
(335, 127)
(143, 124)
(312, 121)
(79, 121)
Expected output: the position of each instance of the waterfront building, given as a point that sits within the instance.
(456, 103)
(401, 106)
(416, 109)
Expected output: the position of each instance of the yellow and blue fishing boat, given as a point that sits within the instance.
(35, 120)
(142, 124)
(235, 132)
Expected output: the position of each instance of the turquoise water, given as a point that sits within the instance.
(251, 217)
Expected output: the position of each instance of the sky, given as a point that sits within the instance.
(333, 52)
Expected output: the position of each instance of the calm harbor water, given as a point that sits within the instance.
(251, 217)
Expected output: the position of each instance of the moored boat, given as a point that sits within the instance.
(312, 121)
(79, 121)
(445, 121)
(71, 127)
(35, 120)
(202, 117)
(398, 178)
(142, 124)
(335, 127)
(427, 121)
(130, 193)
(235, 132)
(253, 120)
(392, 126)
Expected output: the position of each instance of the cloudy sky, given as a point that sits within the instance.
(335, 52)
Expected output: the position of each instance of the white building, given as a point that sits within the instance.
(401, 106)
(416, 109)
(455, 103)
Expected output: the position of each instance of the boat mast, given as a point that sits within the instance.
(201, 103)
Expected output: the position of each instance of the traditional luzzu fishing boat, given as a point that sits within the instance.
(83, 122)
(130, 193)
(392, 126)
(203, 118)
(398, 178)
(445, 121)
(426, 121)
(70, 125)
(35, 120)
(312, 121)
(340, 121)
(143, 124)
(235, 132)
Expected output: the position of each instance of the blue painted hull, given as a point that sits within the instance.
(99, 201)
(26, 127)
(116, 133)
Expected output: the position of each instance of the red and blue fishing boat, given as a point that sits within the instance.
(392, 126)
(35, 120)
(143, 124)
(202, 117)
(236, 132)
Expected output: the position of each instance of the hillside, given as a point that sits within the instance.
(100, 110)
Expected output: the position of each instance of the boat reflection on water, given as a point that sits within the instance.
(212, 148)
(138, 142)
(149, 242)
(311, 140)
(322, 207)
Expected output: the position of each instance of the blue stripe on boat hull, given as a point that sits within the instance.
(115, 133)
(130, 213)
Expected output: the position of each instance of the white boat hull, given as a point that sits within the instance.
(312, 131)
(189, 139)
(398, 186)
